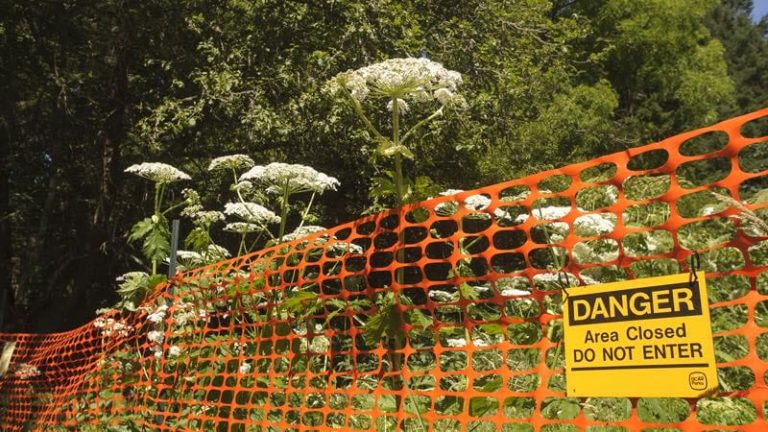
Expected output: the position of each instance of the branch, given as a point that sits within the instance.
(359, 111)
(415, 127)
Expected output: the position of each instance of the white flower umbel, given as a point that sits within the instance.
(398, 81)
(111, 327)
(158, 172)
(242, 227)
(245, 368)
(449, 192)
(158, 315)
(477, 202)
(303, 231)
(551, 212)
(456, 343)
(207, 217)
(155, 336)
(231, 162)
(174, 351)
(341, 247)
(415, 78)
(251, 212)
(296, 178)
(215, 252)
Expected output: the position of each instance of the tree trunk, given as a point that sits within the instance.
(112, 136)
(6, 251)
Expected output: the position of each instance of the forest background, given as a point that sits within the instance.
(89, 88)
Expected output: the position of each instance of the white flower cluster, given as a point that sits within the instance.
(419, 79)
(245, 367)
(187, 312)
(595, 224)
(251, 212)
(158, 172)
(156, 338)
(212, 254)
(513, 292)
(174, 351)
(195, 211)
(111, 327)
(319, 344)
(551, 212)
(27, 371)
(241, 227)
(189, 257)
(236, 161)
(204, 217)
(297, 178)
(456, 343)
(477, 202)
(134, 276)
(216, 253)
(341, 247)
(441, 296)
(158, 315)
(303, 231)
(449, 192)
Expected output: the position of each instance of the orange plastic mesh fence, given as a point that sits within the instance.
(439, 316)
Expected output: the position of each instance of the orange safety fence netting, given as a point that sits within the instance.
(466, 292)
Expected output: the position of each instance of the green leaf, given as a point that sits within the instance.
(157, 244)
(416, 317)
(492, 329)
(198, 240)
(133, 283)
(760, 197)
(468, 292)
(478, 406)
(302, 304)
(386, 323)
(140, 229)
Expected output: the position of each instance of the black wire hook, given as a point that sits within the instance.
(560, 275)
(694, 263)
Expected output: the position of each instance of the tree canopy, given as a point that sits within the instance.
(90, 88)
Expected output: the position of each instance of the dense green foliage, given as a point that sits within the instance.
(89, 88)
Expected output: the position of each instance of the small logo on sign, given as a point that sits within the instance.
(697, 381)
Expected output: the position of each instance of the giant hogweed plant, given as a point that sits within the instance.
(175, 330)
(152, 231)
(254, 187)
(395, 84)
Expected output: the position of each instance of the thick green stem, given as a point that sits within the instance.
(399, 179)
(241, 249)
(283, 212)
(398, 157)
(306, 210)
(396, 364)
(359, 111)
(418, 125)
(156, 213)
(237, 189)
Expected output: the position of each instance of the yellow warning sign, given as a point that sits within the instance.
(642, 338)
